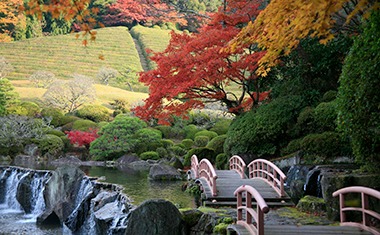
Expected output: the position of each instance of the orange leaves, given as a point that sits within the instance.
(281, 25)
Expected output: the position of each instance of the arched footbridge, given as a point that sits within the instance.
(218, 186)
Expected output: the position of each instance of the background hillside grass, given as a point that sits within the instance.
(155, 39)
(64, 55)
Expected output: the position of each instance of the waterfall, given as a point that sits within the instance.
(11, 185)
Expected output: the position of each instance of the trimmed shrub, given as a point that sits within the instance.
(178, 150)
(188, 143)
(66, 143)
(293, 146)
(329, 96)
(148, 139)
(32, 109)
(68, 118)
(170, 132)
(116, 138)
(201, 141)
(190, 131)
(149, 155)
(325, 145)
(55, 114)
(199, 118)
(221, 126)
(84, 125)
(55, 132)
(217, 144)
(325, 115)
(167, 143)
(201, 153)
(209, 134)
(50, 144)
(93, 112)
(221, 161)
(162, 152)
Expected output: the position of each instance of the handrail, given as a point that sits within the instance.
(238, 164)
(207, 171)
(194, 165)
(269, 172)
(364, 209)
(258, 215)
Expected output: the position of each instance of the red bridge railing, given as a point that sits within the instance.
(207, 171)
(194, 166)
(238, 164)
(269, 172)
(364, 209)
(257, 226)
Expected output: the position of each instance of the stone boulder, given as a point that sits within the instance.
(164, 172)
(60, 193)
(139, 165)
(158, 217)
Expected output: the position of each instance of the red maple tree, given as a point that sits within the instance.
(126, 12)
(195, 69)
(82, 138)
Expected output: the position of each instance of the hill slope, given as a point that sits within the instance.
(64, 55)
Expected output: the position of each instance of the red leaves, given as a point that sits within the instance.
(194, 68)
(82, 138)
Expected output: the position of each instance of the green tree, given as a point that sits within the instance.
(359, 97)
(116, 138)
(8, 96)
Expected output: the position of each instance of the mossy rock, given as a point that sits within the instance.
(312, 204)
(191, 217)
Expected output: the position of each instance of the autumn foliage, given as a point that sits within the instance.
(10, 17)
(126, 12)
(280, 26)
(82, 138)
(194, 70)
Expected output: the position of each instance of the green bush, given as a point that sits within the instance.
(305, 123)
(209, 134)
(68, 119)
(265, 131)
(190, 131)
(221, 126)
(325, 145)
(293, 146)
(170, 132)
(178, 150)
(66, 142)
(201, 141)
(149, 155)
(93, 112)
(116, 138)
(32, 109)
(200, 119)
(201, 153)
(325, 115)
(329, 96)
(147, 139)
(84, 125)
(167, 143)
(217, 144)
(50, 144)
(55, 114)
(358, 95)
(162, 152)
(188, 143)
(55, 132)
(221, 161)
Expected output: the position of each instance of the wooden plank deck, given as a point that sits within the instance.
(303, 229)
(229, 180)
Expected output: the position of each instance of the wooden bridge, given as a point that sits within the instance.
(266, 182)
(218, 186)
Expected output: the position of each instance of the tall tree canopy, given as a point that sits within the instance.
(194, 70)
(281, 25)
(9, 18)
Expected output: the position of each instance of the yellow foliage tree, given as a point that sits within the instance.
(10, 17)
(280, 26)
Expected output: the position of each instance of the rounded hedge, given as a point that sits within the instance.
(178, 150)
(200, 153)
(149, 155)
(209, 134)
(221, 126)
(188, 143)
(84, 125)
(50, 144)
(190, 131)
(201, 141)
(221, 161)
(93, 112)
(217, 143)
(55, 114)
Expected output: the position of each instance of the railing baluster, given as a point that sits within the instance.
(237, 163)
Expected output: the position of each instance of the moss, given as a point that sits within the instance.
(302, 217)
(220, 228)
(312, 204)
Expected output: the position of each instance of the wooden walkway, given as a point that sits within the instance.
(302, 230)
(229, 180)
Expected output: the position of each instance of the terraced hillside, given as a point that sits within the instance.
(64, 55)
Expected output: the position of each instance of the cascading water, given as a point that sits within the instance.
(11, 185)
